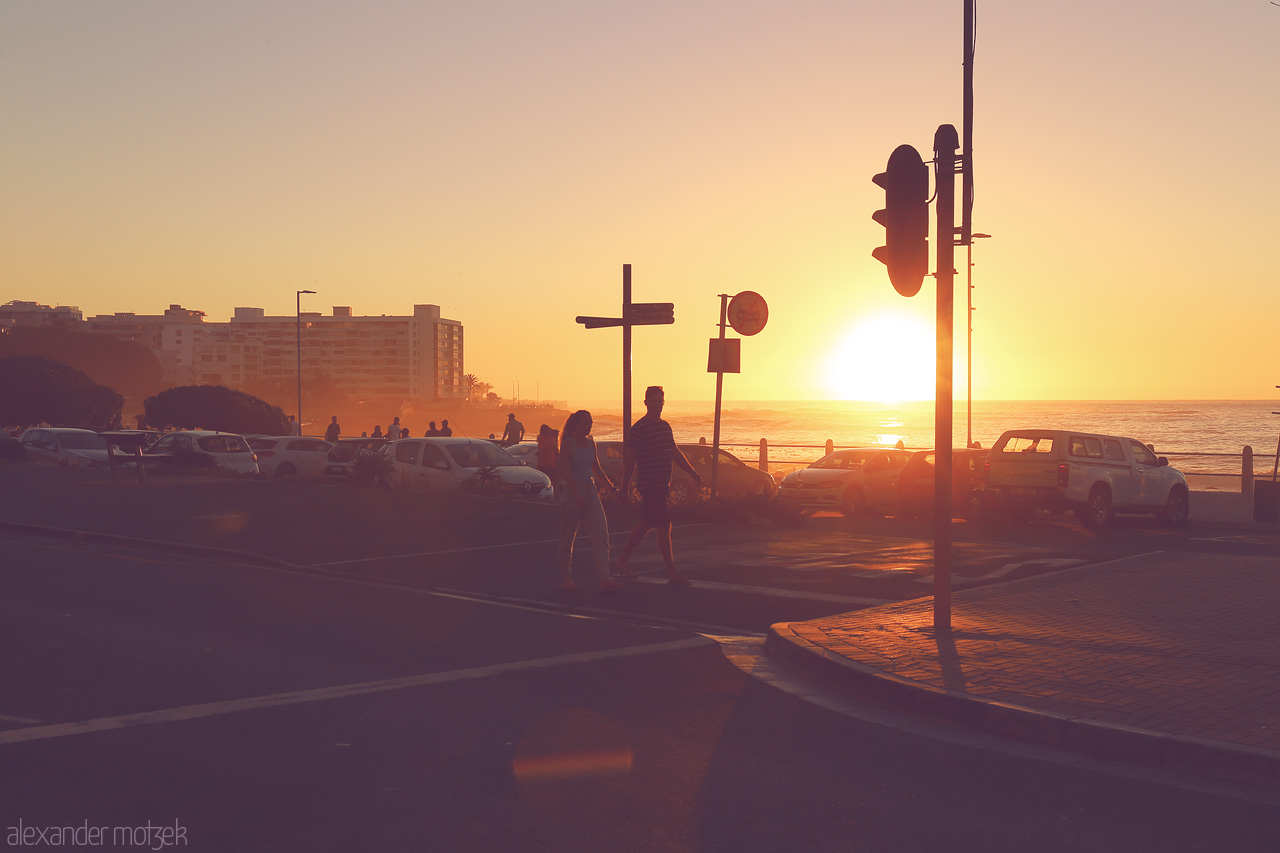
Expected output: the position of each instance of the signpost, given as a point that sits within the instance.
(747, 313)
(633, 314)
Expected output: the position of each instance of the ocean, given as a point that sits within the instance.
(1196, 435)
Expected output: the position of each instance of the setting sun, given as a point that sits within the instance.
(887, 357)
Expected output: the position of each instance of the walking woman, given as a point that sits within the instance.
(580, 505)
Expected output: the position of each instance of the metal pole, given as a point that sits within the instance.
(966, 198)
(715, 432)
(968, 372)
(298, 322)
(944, 157)
(626, 352)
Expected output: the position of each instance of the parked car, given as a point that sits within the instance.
(524, 452)
(341, 460)
(291, 455)
(229, 451)
(737, 480)
(76, 448)
(1095, 475)
(851, 481)
(445, 464)
(916, 481)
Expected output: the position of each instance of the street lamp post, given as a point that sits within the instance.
(298, 324)
(969, 369)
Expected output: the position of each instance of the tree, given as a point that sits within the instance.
(37, 390)
(214, 407)
(475, 388)
(128, 367)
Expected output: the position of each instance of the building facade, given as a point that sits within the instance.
(18, 313)
(415, 357)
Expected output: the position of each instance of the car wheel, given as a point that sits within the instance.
(681, 494)
(855, 501)
(1177, 510)
(1096, 513)
(286, 470)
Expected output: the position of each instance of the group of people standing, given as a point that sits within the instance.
(649, 454)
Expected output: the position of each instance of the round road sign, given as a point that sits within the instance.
(748, 313)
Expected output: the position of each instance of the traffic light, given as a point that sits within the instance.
(905, 219)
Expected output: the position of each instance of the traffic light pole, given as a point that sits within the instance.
(945, 143)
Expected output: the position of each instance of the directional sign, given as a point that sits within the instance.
(651, 313)
(598, 322)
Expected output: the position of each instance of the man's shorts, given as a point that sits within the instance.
(653, 508)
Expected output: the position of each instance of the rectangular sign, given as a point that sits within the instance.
(725, 355)
(651, 313)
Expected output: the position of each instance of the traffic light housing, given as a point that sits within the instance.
(905, 218)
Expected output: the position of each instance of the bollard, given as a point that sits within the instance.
(142, 474)
(831, 447)
(764, 455)
(1246, 474)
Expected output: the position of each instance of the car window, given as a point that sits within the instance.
(82, 441)
(727, 458)
(612, 450)
(1027, 444)
(1114, 451)
(431, 455)
(1142, 454)
(34, 438)
(407, 452)
(842, 459)
(263, 443)
(213, 443)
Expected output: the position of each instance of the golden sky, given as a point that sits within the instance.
(505, 159)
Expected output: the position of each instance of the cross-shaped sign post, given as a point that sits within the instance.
(633, 314)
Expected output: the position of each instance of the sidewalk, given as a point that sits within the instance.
(1168, 660)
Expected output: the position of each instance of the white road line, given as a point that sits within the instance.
(253, 703)
(775, 593)
(1048, 562)
(22, 721)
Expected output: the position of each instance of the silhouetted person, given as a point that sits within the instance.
(377, 431)
(393, 429)
(445, 429)
(332, 432)
(549, 454)
(650, 451)
(431, 429)
(514, 431)
(580, 506)
(404, 432)
(293, 427)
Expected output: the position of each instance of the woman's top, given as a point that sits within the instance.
(581, 461)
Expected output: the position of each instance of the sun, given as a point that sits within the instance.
(886, 357)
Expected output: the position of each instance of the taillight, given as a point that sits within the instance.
(1064, 474)
(986, 469)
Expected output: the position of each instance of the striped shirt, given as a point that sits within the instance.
(653, 443)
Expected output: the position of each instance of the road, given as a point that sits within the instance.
(453, 699)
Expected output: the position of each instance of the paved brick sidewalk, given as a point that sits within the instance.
(1181, 649)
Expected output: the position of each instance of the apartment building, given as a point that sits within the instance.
(415, 357)
(18, 313)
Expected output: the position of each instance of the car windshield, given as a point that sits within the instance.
(82, 441)
(843, 459)
(263, 443)
(480, 454)
(345, 451)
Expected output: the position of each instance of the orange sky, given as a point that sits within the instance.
(504, 160)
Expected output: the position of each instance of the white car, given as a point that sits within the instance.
(230, 451)
(76, 448)
(849, 481)
(446, 464)
(291, 455)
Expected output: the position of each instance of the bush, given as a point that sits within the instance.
(37, 390)
(213, 407)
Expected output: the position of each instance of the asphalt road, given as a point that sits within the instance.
(254, 708)
(401, 673)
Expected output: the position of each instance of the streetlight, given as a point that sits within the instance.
(298, 323)
(969, 370)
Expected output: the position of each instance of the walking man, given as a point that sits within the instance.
(650, 451)
(333, 432)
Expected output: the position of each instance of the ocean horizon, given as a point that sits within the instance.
(794, 428)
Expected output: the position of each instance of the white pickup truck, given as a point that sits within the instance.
(1095, 475)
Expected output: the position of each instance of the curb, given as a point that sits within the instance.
(1177, 753)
